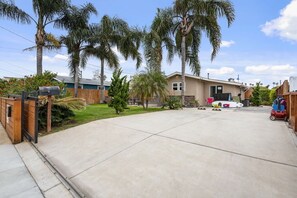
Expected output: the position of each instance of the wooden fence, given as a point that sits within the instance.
(291, 99)
(92, 96)
(11, 118)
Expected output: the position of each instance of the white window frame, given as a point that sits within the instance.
(179, 86)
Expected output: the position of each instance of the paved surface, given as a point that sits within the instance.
(186, 153)
(15, 179)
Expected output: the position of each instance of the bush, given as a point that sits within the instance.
(173, 102)
(118, 92)
(60, 115)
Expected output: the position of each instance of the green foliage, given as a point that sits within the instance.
(173, 102)
(272, 95)
(256, 99)
(149, 84)
(60, 115)
(264, 95)
(119, 91)
(28, 84)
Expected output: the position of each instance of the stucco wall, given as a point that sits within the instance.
(194, 87)
(234, 90)
(201, 89)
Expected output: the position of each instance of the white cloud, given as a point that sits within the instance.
(285, 25)
(61, 57)
(227, 43)
(48, 59)
(271, 69)
(221, 71)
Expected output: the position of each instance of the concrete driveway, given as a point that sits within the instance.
(185, 153)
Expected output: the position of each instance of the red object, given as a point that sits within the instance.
(278, 115)
(210, 100)
(226, 105)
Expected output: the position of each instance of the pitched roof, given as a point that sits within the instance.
(208, 79)
(84, 81)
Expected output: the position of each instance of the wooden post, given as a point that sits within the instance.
(49, 114)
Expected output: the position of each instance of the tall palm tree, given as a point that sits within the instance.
(75, 20)
(110, 33)
(190, 18)
(9, 10)
(47, 12)
(158, 38)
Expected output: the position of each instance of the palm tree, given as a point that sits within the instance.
(75, 20)
(149, 84)
(190, 18)
(47, 12)
(11, 11)
(110, 33)
(158, 38)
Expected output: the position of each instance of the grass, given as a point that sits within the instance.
(98, 112)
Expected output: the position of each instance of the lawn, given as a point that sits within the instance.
(98, 112)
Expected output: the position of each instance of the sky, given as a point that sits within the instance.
(261, 44)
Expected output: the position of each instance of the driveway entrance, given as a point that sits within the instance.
(185, 153)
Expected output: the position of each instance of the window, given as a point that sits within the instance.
(174, 86)
(219, 89)
(177, 86)
(215, 90)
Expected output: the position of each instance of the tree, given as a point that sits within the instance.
(189, 19)
(119, 91)
(75, 20)
(256, 99)
(109, 35)
(158, 38)
(149, 84)
(10, 11)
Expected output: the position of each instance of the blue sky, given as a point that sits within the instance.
(261, 45)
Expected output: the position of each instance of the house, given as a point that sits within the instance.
(84, 83)
(200, 89)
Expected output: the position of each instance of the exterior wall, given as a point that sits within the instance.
(85, 86)
(234, 90)
(193, 87)
(201, 89)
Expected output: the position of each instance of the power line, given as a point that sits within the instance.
(12, 32)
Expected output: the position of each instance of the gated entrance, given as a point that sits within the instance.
(19, 117)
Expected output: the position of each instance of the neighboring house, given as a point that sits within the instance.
(84, 83)
(201, 89)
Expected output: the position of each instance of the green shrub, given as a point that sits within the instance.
(118, 91)
(60, 115)
(173, 102)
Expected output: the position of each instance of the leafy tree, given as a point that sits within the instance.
(189, 19)
(75, 20)
(119, 91)
(29, 83)
(256, 99)
(109, 33)
(10, 11)
(272, 95)
(149, 84)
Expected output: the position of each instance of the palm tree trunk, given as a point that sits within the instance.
(183, 50)
(39, 40)
(39, 52)
(76, 81)
(146, 103)
(102, 96)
